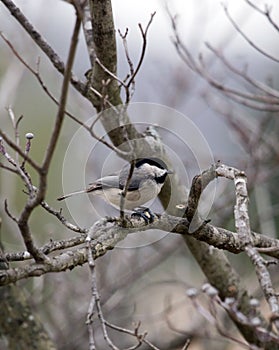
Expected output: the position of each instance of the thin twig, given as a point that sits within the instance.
(15, 124)
(16, 148)
(258, 102)
(19, 170)
(90, 129)
(143, 50)
(242, 223)
(266, 12)
(128, 58)
(36, 199)
(41, 42)
(12, 170)
(95, 300)
(107, 234)
(112, 75)
(133, 72)
(186, 345)
(36, 74)
(124, 192)
(249, 41)
(203, 71)
(135, 332)
(131, 80)
(50, 247)
(242, 74)
(8, 211)
(62, 219)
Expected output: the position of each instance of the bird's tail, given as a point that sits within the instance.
(70, 195)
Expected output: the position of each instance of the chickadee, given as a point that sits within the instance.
(145, 184)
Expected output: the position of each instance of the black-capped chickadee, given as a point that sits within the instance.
(145, 184)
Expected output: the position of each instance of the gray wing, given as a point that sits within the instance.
(111, 181)
(134, 182)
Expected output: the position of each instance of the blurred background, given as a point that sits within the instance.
(145, 279)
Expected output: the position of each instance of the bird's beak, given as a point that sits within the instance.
(170, 171)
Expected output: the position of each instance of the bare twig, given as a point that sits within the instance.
(107, 233)
(90, 129)
(95, 300)
(131, 81)
(228, 336)
(141, 337)
(267, 250)
(8, 212)
(36, 74)
(41, 42)
(133, 72)
(242, 223)
(249, 41)
(128, 58)
(143, 50)
(242, 74)
(266, 102)
(210, 312)
(203, 71)
(19, 170)
(37, 198)
(266, 12)
(199, 183)
(111, 74)
(62, 219)
(124, 192)
(16, 148)
(29, 136)
(12, 170)
(187, 344)
(48, 248)
(15, 126)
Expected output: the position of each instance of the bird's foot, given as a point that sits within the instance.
(144, 213)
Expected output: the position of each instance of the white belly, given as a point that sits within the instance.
(134, 199)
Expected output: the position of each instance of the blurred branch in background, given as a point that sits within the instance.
(228, 289)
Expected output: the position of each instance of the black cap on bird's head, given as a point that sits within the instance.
(152, 161)
(145, 169)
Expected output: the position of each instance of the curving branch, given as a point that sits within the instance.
(104, 92)
(265, 100)
(42, 43)
(249, 41)
(106, 233)
(106, 53)
(36, 196)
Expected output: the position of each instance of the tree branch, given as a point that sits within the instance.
(106, 233)
(36, 198)
(105, 50)
(41, 42)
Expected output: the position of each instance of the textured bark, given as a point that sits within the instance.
(219, 273)
(226, 280)
(19, 328)
(105, 50)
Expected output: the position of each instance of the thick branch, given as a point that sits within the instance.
(105, 50)
(107, 233)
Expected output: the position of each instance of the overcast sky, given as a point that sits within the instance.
(198, 22)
